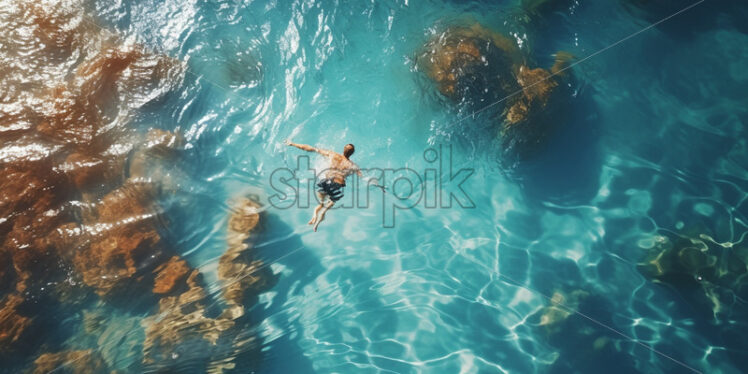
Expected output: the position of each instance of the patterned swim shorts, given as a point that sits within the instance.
(331, 188)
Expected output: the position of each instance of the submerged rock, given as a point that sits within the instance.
(170, 275)
(708, 274)
(180, 319)
(471, 63)
(79, 206)
(120, 241)
(93, 172)
(164, 142)
(12, 323)
(581, 346)
(183, 326)
(711, 277)
(155, 158)
(104, 90)
(561, 307)
(120, 250)
(240, 275)
(29, 260)
(66, 212)
(74, 362)
(479, 68)
(7, 273)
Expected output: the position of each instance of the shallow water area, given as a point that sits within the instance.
(140, 140)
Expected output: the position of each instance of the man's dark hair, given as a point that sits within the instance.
(348, 150)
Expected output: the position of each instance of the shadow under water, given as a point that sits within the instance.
(285, 248)
(566, 170)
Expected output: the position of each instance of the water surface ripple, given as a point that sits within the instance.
(133, 133)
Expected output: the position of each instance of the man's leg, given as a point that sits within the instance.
(321, 198)
(322, 214)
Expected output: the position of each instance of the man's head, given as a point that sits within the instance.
(348, 150)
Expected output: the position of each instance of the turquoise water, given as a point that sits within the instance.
(651, 142)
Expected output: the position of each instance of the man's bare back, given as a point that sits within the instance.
(331, 186)
(340, 167)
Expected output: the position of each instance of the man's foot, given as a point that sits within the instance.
(311, 221)
(315, 226)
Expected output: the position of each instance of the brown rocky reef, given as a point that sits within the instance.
(478, 67)
(184, 323)
(66, 211)
(460, 59)
(711, 275)
(241, 275)
(74, 362)
(80, 220)
(580, 345)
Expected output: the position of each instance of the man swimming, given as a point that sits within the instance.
(331, 186)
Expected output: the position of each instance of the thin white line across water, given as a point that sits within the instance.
(517, 92)
(601, 324)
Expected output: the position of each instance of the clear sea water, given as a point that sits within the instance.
(653, 139)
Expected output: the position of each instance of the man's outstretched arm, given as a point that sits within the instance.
(308, 148)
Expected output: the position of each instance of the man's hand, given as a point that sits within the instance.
(287, 142)
(374, 182)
